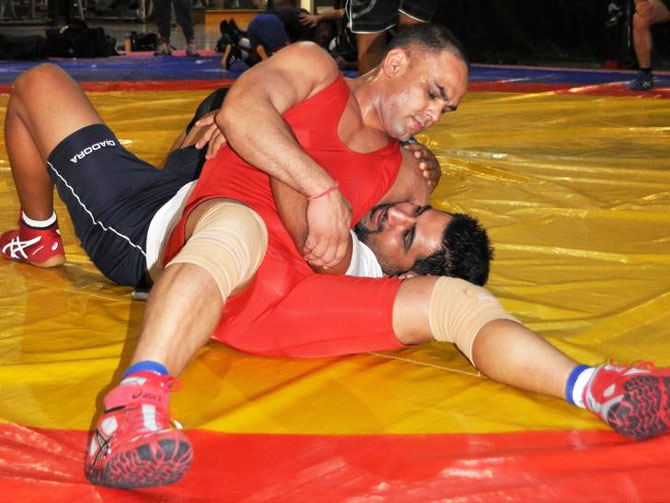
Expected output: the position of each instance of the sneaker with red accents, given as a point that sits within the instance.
(39, 247)
(634, 401)
(135, 443)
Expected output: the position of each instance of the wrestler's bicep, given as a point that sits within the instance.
(291, 76)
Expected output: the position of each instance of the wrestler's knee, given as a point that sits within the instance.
(643, 12)
(640, 22)
(229, 241)
(38, 77)
(444, 309)
(459, 310)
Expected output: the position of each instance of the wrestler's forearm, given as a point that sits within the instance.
(292, 207)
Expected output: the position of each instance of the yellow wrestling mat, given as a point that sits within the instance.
(575, 192)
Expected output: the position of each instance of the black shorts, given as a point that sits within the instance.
(373, 16)
(112, 196)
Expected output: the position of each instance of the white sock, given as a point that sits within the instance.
(580, 384)
(38, 224)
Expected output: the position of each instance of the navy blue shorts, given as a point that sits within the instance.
(374, 16)
(112, 196)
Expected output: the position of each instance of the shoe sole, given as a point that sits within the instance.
(640, 414)
(54, 261)
(50, 262)
(151, 464)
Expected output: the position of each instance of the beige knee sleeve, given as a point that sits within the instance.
(459, 310)
(229, 242)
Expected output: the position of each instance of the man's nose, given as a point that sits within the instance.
(398, 216)
(434, 111)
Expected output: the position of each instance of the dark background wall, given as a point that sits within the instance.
(545, 31)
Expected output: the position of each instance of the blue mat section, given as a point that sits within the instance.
(557, 76)
(134, 68)
(142, 68)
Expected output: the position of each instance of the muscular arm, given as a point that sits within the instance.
(251, 120)
(250, 117)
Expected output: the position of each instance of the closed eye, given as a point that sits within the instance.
(408, 238)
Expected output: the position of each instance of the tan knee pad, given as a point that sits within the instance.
(229, 242)
(459, 310)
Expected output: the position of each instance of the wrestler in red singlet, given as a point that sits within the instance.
(287, 309)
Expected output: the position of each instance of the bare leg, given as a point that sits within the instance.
(405, 21)
(35, 124)
(183, 310)
(647, 14)
(628, 399)
(503, 350)
(171, 334)
(181, 314)
(370, 48)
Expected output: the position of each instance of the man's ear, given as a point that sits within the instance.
(395, 62)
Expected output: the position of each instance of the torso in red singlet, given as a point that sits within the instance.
(256, 320)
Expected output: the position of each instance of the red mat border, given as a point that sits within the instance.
(612, 89)
(538, 467)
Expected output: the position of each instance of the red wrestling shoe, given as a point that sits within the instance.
(634, 401)
(40, 247)
(135, 444)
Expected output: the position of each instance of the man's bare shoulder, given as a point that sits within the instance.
(308, 61)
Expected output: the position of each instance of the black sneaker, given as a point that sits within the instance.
(235, 30)
(233, 59)
(643, 82)
(230, 30)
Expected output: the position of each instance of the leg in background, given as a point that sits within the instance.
(370, 49)
(163, 12)
(647, 14)
(34, 125)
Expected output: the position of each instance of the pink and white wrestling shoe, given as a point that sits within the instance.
(135, 444)
(634, 401)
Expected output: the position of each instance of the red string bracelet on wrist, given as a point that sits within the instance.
(333, 187)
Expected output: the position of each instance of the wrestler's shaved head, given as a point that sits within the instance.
(431, 38)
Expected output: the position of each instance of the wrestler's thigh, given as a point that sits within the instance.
(321, 316)
(411, 321)
(51, 105)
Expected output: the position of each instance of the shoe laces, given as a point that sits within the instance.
(641, 365)
(140, 418)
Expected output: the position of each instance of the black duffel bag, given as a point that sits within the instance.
(77, 40)
(23, 47)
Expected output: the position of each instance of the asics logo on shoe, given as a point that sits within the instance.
(148, 396)
(15, 248)
(88, 150)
